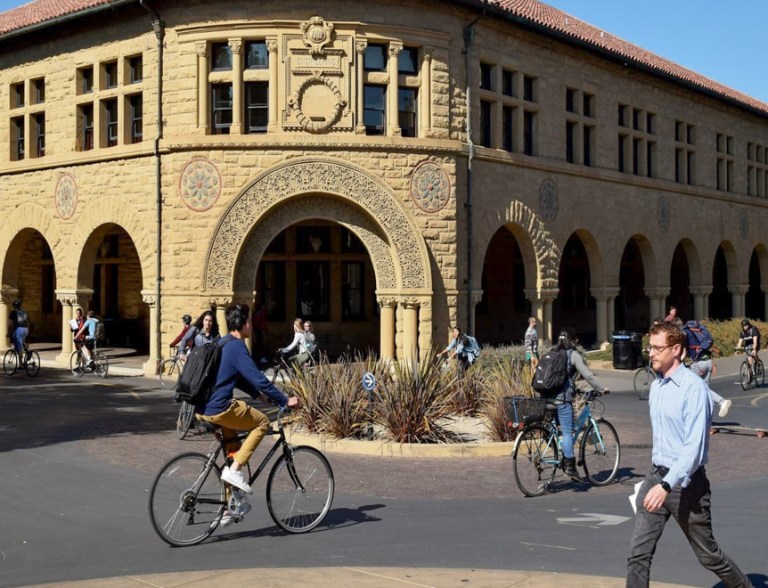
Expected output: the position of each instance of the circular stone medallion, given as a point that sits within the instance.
(200, 184)
(65, 196)
(430, 186)
(549, 200)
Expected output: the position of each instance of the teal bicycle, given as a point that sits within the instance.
(538, 447)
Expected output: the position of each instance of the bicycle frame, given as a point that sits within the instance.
(581, 423)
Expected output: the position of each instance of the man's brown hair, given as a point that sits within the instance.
(673, 334)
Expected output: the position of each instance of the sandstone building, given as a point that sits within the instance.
(385, 170)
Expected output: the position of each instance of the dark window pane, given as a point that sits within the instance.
(375, 108)
(313, 239)
(352, 290)
(485, 123)
(313, 281)
(508, 83)
(221, 108)
(407, 111)
(529, 127)
(221, 57)
(137, 118)
(256, 107)
(407, 61)
(375, 58)
(110, 74)
(486, 76)
(271, 280)
(135, 65)
(256, 55)
(529, 89)
(570, 99)
(570, 137)
(508, 128)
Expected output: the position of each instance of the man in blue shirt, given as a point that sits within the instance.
(237, 367)
(677, 483)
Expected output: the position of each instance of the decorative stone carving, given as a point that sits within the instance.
(386, 301)
(657, 292)
(395, 47)
(360, 47)
(236, 46)
(200, 184)
(201, 48)
(351, 185)
(549, 201)
(317, 34)
(430, 186)
(663, 214)
(605, 292)
(66, 196)
(337, 103)
(743, 224)
(67, 296)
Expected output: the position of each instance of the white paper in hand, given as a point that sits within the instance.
(633, 497)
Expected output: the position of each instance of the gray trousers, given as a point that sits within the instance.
(691, 509)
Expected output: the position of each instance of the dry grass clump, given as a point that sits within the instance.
(507, 376)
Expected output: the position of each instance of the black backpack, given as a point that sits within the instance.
(199, 376)
(100, 332)
(551, 372)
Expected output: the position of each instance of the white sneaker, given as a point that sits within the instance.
(228, 518)
(236, 479)
(725, 406)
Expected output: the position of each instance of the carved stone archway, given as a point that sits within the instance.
(348, 183)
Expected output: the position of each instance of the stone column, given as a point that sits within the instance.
(610, 308)
(360, 47)
(601, 296)
(737, 299)
(7, 296)
(656, 297)
(152, 365)
(387, 328)
(425, 92)
(547, 295)
(410, 330)
(393, 124)
(201, 48)
(69, 300)
(700, 301)
(272, 125)
(236, 47)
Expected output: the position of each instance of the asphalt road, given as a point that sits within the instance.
(78, 458)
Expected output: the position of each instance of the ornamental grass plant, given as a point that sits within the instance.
(505, 376)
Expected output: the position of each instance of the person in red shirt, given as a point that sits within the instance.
(187, 319)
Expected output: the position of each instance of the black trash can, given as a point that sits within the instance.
(637, 349)
(622, 350)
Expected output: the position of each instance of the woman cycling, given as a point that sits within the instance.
(205, 330)
(299, 343)
(564, 398)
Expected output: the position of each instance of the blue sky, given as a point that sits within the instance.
(720, 39)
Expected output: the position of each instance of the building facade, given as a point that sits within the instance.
(165, 158)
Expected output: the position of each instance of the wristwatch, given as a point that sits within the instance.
(666, 486)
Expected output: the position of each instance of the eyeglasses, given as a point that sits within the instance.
(656, 348)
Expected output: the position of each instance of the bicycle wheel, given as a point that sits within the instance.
(187, 500)
(100, 364)
(759, 372)
(170, 370)
(534, 460)
(643, 381)
(77, 363)
(185, 419)
(32, 366)
(745, 377)
(600, 453)
(10, 362)
(300, 489)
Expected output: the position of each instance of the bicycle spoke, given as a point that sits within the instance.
(600, 453)
(535, 460)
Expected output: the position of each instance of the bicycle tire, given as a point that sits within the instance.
(642, 382)
(600, 453)
(187, 500)
(100, 364)
(170, 370)
(300, 489)
(32, 365)
(77, 364)
(10, 362)
(535, 459)
(759, 372)
(185, 419)
(745, 378)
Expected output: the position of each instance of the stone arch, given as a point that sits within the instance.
(285, 214)
(694, 260)
(346, 182)
(111, 211)
(35, 218)
(539, 250)
(594, 256)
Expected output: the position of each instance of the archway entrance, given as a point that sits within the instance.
(575, 306)
(632, 303)
(29, 270)
(319, 271)
(680, 286)
(720, 299)
(110, 268)
(501, 316)
(755, 298)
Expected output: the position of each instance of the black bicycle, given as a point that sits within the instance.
(27, 361)
(189, 499)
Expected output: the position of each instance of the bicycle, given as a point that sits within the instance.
(643, 379)
(538, 447)
(13, 362)
(751, 375)
(79, 366)
(188, 498)
(171, 369)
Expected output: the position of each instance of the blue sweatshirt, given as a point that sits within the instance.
(236, 361)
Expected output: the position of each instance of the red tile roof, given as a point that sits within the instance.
(533, 12)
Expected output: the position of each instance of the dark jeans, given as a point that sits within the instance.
(691, 509)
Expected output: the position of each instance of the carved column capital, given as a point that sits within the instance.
(272, 45)
(149, 297)
(477, 296)
(740, 289)
(201, 48)
(426, 52)
(361, 46)
(9, 295)
(657, 292)
(409, 303)
(395, 47)
(67, 296)
(235, 45)
(386, 301)
(700, 290)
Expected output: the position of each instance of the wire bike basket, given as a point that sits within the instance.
(522, 410)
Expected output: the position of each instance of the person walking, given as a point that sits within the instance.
(18, 329)
(205, 330)
(237, 367)
(531, 341)
(464, 348)
(299, 344)
(676, 485)
(564, 398)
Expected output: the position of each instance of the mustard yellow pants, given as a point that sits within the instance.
(241, 417)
